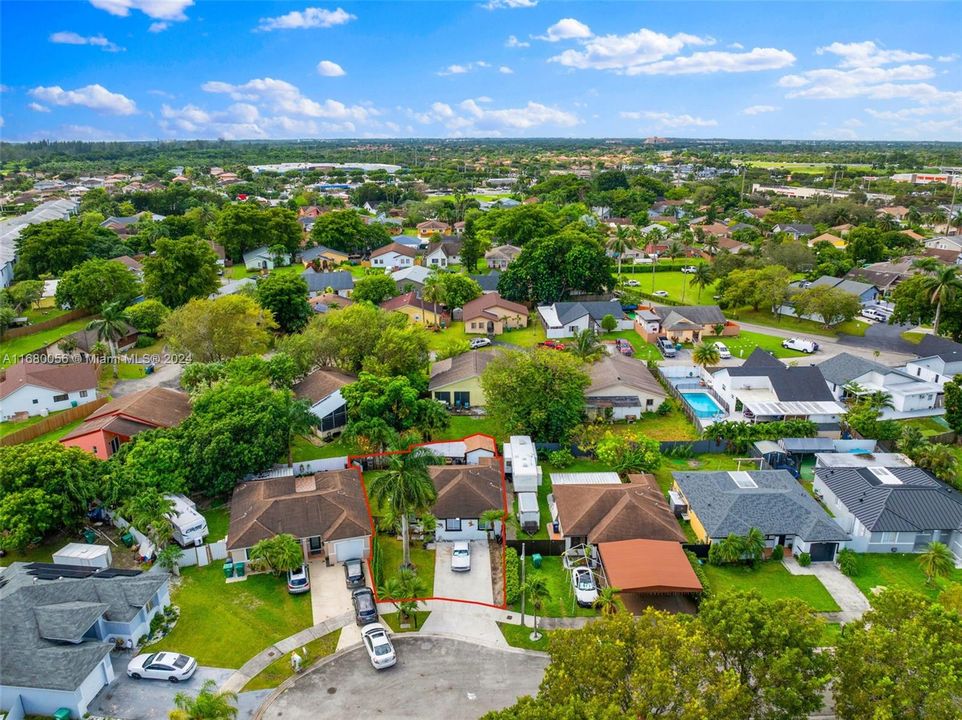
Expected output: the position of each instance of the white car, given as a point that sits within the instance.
(378, 645)
(298, 581)
(173, 667)
(801, 345)
(586, 591)
(723, 352)
(632, 283)
(461, 557)
(689, 269)
(480, 343)
(660, 293)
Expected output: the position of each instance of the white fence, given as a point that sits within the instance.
(303, 468)
(203, 554)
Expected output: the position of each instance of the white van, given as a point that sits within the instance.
(189, 526)
(801, 345)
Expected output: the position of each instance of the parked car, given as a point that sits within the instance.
(632, 283)
(877, 314)
(378, 645)
(624, 347)
(667, 347)
(365, 609)
(586, 591)
(553, 344)
(298, 581)
(660, 293)
(173, 667)
(689, 269)
(723, 352)
(800, 344)
(461, 557)
(354, 574)
(480, 343)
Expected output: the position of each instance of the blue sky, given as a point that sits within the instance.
(147, 69)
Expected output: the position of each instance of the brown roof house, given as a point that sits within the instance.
(465, 492)
(37, 388)
(622, 388)
(648, 567)
(322, 389)
(491, 314)
(325, 511)
(456, 381)
(79, 345)
(498, 258)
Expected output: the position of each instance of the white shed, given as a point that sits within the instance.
(94, 556)
(528, 513)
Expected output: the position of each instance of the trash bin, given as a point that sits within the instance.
(127, 539)
(239, 569)
(62, 714)
(536, 560)
(90, 536)
(228, 569)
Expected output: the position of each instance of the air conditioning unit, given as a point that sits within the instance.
(895, 549)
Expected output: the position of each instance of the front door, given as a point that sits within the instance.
(315, 546)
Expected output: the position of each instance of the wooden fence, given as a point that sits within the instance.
(52, 423)
(56, 322)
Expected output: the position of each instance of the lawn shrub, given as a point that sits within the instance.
(145, 341)
(377, 562)
(512, 576)
(848, 562)
(804, 559)
(778, 552)
(700, 574)
(561, 458)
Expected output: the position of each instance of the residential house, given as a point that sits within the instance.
(833, 240)
(913, 235)
(11, 227)
(498, 258)
(443, 253)
(263, 259)
(732, 246)
(565, 319)
(842, 229)
(125, 225)
(796, 230)
(883, 275)
(911, 395)
(642, 568)
(891, 509)
(689, 323)
(459, 227)
(500, 203)
(28, 388)
(866, 293)
(48, 297)
(716, 229)
(723, 503)
(456, 381)
(898, 212)
(491, 314)
(59, 629)
(134, 266)
(943, 242)
(326, 512)
(489, 282)
(622, 388)
(338, 282)
(394, 225)
(466, 451)
(322, 389)
(102, 432)
(946, 257)
(418, 310)
(324, 302)
(757, 213)
(429, 228)
(464, 494)
(324, 257)
(763, 389)
(939, 360)
(411, 278)
(393, 256)
(80, 345)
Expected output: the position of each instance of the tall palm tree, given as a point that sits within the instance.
(702, 278)
(913, 216)
(711, 246)
(586, 345)
(300, 421)
(608, 602)
(705, 354)
(147, 512)
(754, 544)
(536, 592)
(942, 287)
(404, 590)
(956, 221)
(433, 291)
(926, 264)
(675, 248)
(406, 488)
(937, 561)
(210, 704)
(490, 517)
(880, 400)
(111, 326)
(938, 215)
(619, 244)
(939, 460)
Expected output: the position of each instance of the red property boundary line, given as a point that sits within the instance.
(504, 508)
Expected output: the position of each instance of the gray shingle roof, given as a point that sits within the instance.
(698, 314)
(568, 312)
(803, 383)
(68, 621)
(489, 282)
(779, 505)
(920, 503)
(320, 281)
(851, 286)
(844, 368)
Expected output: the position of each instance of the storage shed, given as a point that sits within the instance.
(95, 556)
(528, 513)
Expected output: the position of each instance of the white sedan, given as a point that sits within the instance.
(461, 557)
(378, 646)
(162, 666)
(660, 293)
(723, 352)
(586, 591)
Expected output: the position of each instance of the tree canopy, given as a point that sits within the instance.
(212, 330)
(285, 296)
(181, 269)
(95, 284)
(245, 226)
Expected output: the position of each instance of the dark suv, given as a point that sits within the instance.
(365, 609)
(354, 573)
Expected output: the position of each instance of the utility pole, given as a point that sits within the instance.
(522, 584)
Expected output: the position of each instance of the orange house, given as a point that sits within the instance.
(104, 430)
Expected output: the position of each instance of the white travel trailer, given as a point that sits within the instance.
(521, 461)
(190, 527)
(528, 513)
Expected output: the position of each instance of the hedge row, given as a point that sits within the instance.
(377, 569)
(512, 578)
(700, 574)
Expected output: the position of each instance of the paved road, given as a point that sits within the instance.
(881, 336)
(435, 679)
(830, 346)
(164, 376)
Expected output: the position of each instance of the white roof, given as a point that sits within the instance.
(415, 273)
(527, 502)
(794, 408)
(549, 315)
(585, 478)
(82, 551)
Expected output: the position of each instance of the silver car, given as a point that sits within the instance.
(378, 645)
(173, 667)
(461, 557)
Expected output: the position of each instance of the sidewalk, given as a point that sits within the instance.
(850, 599)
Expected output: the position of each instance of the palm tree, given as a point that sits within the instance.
(406, 488)
(147, 512)
(702, 278)
(754, 544)
(433, 291)
(111, 326)
(880, 400)
(938, 459)
(536, 591)
(586, 345)
(300, 421)
(404, 590)
(490, 517)
(608, 602)
(938, 215)
(913, 216)
(942, 287)
(852, 392)
(619, 244)
(731, 549)
(937, 561)
(956, 221)
(208, 705)
(279, 553)
(674, 249)
(711, 246)
(705, 354)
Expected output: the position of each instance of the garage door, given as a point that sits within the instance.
(349, 549)
(823, 552)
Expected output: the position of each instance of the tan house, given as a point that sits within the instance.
(898, 212)
(682, 324)
(622, 388)
(498, 258)
(491, 314)
(417, 309)
(829, 238)
(432, 227)
(456, 381)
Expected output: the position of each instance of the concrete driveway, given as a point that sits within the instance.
(472, 585)
(434, 679)
(329, 594)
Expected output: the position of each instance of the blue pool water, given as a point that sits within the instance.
(702, 403)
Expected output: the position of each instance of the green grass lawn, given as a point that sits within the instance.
(643, 350)
(12, 350)
(43, 552)
(391, 620)
(463, 425)
(226, 624)
(774, 582)
(928, 425)
(746, 341)
(677, 284)
(280, 670)
(793, 324)
(125, 371)
(218, 521)
(525, 337)
(305, 449)
(710, 461)
(673, 426)
(6, 428)
(55, 435)
(39, 315)
(393, 557)
(519, 636)
(912, 336)
(800, 168)
(561, 594)
(897, 570)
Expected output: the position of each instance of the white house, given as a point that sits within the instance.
(939, 360)
(263, 259)
(41, 388)
(943, 242)
(464, 494)
(322, 389)
(566, 319)
(393, 256)
(521, 462)
(443, 253)
(623, 387)
(911, 395)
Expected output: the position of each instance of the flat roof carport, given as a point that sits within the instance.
(648, 566)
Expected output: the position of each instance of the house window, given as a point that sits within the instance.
(572, 328)
(335, 419)
(444, 397)
(462, 398)
(114, 445)
(885, 538)
(83, 393)
(649, 404)
(452, 524)
(60, 398)
(485, 525)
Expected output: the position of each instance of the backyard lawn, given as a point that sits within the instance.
(280, 670)
(225, 624)
(55, 435)
(912, 336)
(928, 425)
(877, 570)
(463, 425)
(12, 350)
(519, 636)
(314, 449)
(9, 427)
(643, 350)
(774, 582)
(392, 557)
(561, 594)
(677, 284)
(218, 521)
(673, 426)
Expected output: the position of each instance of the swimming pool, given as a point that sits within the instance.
(703, 404)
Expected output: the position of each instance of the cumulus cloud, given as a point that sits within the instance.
(242, 121)
(37, 107)
(505, 70)
(509, 4)
(703, 63)
(463, 68)
(758, 109)
(513, 42)
(158, 27)
(668, 120)
(948, 58)
(868, 54)
(309, 18)
(95, 97)
(328, 68)
(156, 9)
(279, 96)
(468, 118)
(566, 29)
(72, 38)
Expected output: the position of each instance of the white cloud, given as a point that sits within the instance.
(759, 109)
(948, 58)
(161, 93)
(868, 54)
(509, 4)
(853, 123)
(566, 29)
(244, 121)
(37, 107)
(76, 132)
(328, 68)
(513, 42)
(156, 9)
(158, 27)
(619, 52)
(279, 96)
(95, 97)
(468, 118)
(309, 18)
(714, 61)
(736, 46)
(72, 38)
(505, 70)
(463, 68)
(667, 120)
(873, 82)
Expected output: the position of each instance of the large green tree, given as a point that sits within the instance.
(180, 270)
(148, 316)
(374, 289)
(245, 226)
(220, 329)
(381, 408)
(345, 231)
(52, 247)
(285, 296)
(834, 306)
